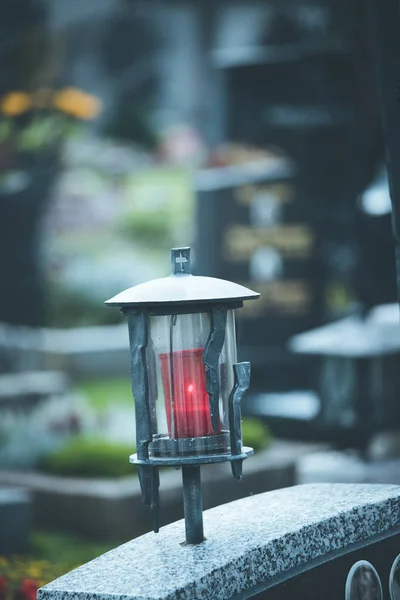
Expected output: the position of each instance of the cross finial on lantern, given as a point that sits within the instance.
(180, 261)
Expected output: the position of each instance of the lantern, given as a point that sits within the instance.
(186, 381)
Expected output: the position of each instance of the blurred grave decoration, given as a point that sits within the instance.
(242, 201)
(124, 193)
(362, 272)
(125, 190)
(33, 129)
(36, 115)
(42, 404)
(33, 123)
(356, 384)
(21, 577)
(113, 208)
(182, 145)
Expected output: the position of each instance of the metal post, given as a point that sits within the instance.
(193, 504)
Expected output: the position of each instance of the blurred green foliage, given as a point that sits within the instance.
(103, 393)
(68, 308)
(66, 550)
(153, 227)
(89, 457)
(255, 434)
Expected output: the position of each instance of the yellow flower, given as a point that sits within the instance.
(15, 103)
(33, 571)
(76, 103)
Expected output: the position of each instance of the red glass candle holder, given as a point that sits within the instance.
(186, 398)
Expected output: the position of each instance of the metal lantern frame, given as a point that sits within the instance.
(183, 294)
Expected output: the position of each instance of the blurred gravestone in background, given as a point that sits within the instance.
(296, 78)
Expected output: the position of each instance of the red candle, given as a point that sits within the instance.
(186, 400)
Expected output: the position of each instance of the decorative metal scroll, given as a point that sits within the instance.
(242, 382)
(138, 339)
(148, 475)
(363, 582)
(211, 356)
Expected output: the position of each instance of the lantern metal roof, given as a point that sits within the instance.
(182, 287)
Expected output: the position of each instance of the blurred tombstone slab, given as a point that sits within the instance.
(291, 236)
(88, 352)
(357, 374)
(290, 415)
(37, 411)
(250, 230)
(81, 352)
(286, 544)
(20, 348)
(15, 520)
(25, 389)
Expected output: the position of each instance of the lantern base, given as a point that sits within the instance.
(178, 461)
(164, 446)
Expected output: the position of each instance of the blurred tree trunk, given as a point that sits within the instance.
(26, 181)
(22, 291)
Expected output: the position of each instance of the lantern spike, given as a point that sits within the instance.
(155, 499)
(237, 469)
(145, 483)
(149, 483)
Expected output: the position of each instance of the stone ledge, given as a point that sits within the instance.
(112, 509)
(249, 542)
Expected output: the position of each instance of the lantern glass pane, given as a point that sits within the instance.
(179, 402)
